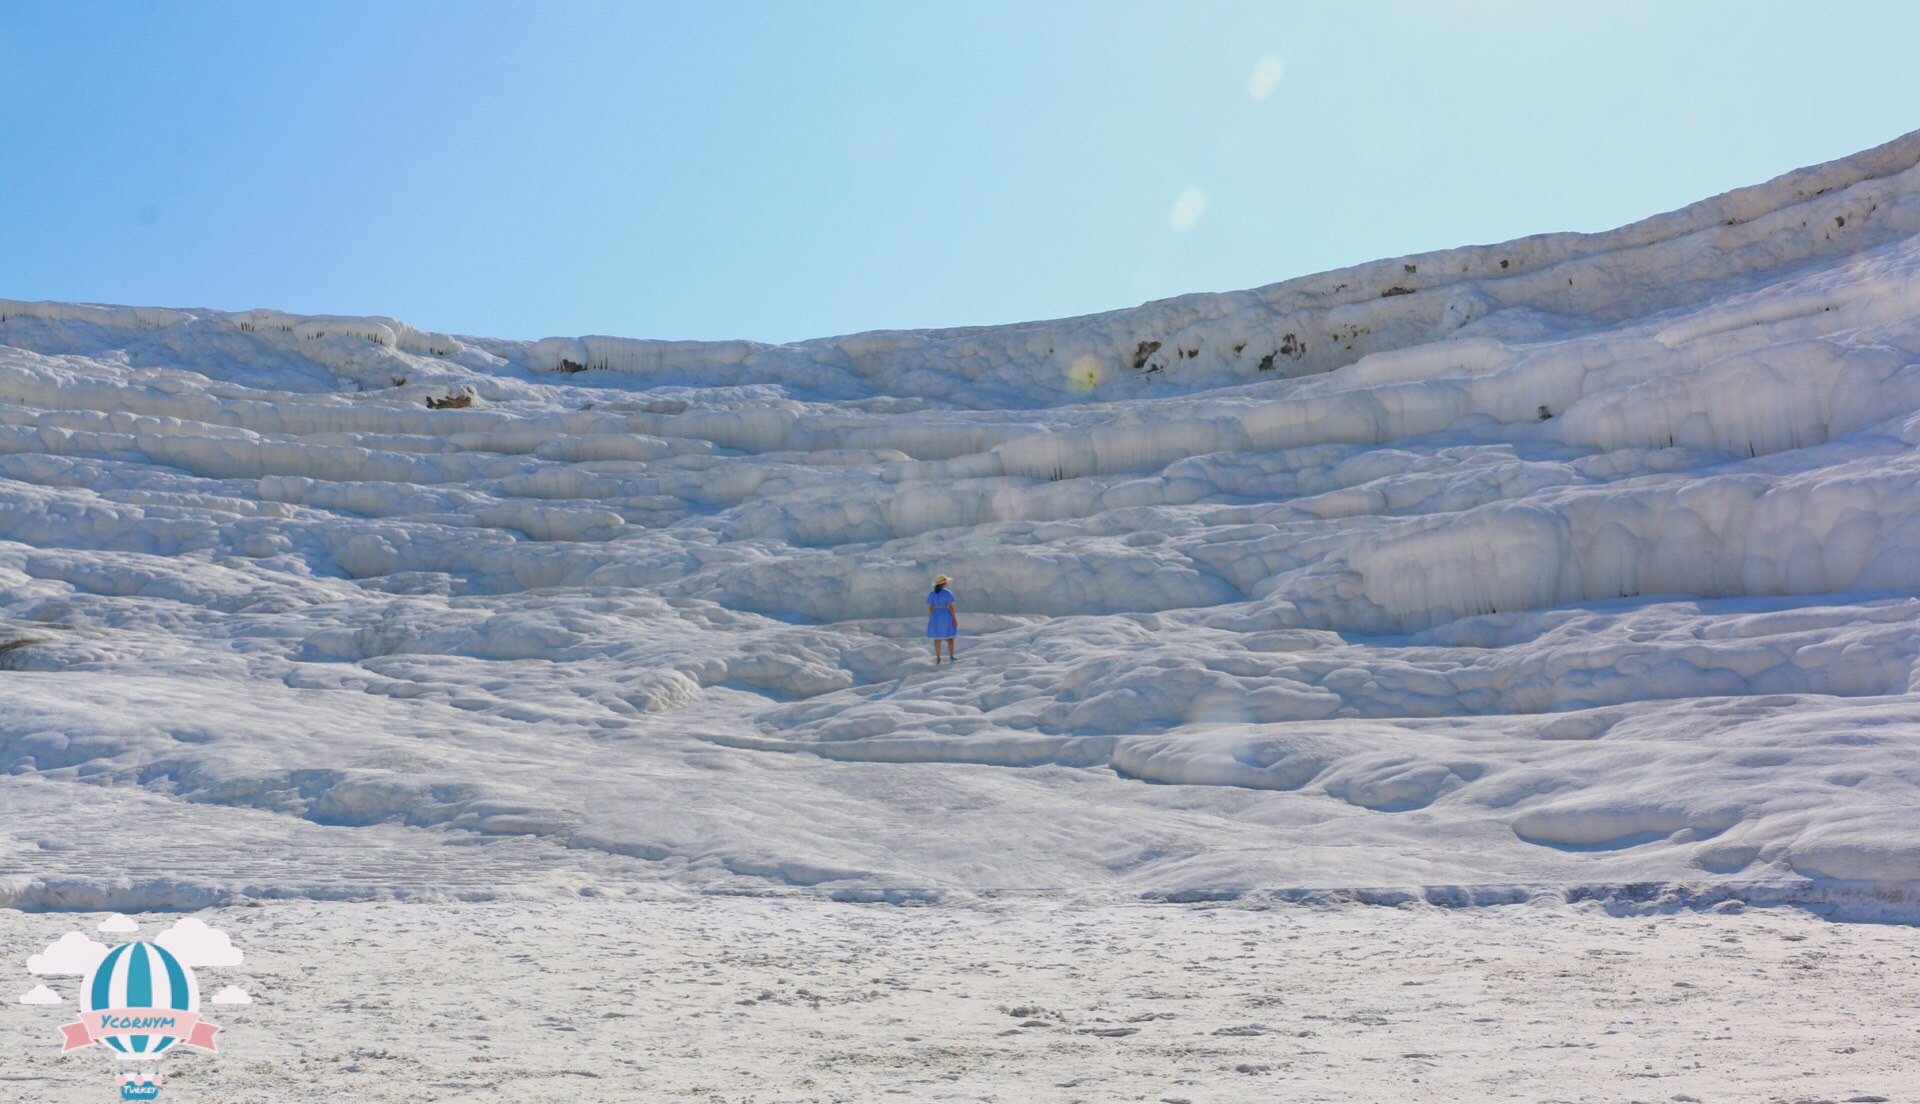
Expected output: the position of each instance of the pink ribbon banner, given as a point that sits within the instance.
(119, 1023)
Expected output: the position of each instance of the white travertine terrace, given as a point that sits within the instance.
(1577, 561)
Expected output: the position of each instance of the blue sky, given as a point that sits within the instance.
(786, 170)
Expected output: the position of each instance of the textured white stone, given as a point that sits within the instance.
(1579, 560)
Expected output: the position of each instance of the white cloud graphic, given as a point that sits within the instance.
(197, 945)
(232, 994)
(118, 923)
(40, 994)
(73, 954)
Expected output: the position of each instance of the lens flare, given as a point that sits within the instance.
(1265, 77)
(1187, 209)
(1084, 376)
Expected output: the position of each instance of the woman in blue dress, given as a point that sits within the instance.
(940, 622)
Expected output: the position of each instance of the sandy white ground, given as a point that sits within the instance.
(787, 1000)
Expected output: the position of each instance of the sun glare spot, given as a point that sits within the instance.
(1187, 209)
(1085, 374)
(1266, 76)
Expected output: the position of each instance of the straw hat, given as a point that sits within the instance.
(941, 580)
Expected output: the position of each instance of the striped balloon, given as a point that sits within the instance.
(140, 975)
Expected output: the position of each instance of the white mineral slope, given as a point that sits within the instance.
(1584, 564)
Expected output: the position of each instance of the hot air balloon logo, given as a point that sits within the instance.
(140, 1002)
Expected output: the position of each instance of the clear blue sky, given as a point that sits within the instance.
(785, 170)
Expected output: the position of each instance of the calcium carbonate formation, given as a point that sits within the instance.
(1581, 560)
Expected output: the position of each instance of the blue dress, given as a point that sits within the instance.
(940, 624)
